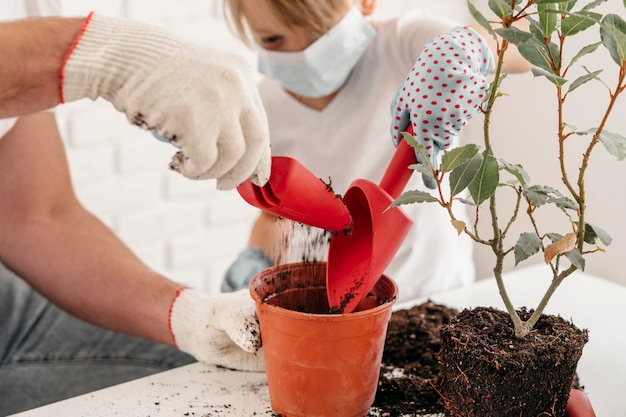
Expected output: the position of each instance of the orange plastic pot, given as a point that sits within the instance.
(319, 364)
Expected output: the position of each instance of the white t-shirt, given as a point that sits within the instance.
(20, 9)
(350, 139)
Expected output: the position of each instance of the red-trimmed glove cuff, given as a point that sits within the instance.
(169, 318)
(69, 52)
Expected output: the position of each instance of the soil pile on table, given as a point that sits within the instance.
(410, 369)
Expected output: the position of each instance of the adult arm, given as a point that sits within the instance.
(50, 240)
(31, 54)
(202, 100)
(72, 258)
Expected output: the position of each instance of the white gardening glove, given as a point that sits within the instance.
(203, 100)
(218, 329)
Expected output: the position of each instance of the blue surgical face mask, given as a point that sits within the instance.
(324, 66)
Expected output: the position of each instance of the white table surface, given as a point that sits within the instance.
(202, 390)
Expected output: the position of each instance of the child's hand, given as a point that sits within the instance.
(443, 91)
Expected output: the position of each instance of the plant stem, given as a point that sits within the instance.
(585, 161)
(497, 242)
(518, 324)
(556, 281)
(578, 196)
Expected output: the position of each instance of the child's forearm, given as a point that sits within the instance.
(513, 63)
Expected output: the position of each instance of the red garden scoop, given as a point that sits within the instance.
(297, 194)
(357, 260)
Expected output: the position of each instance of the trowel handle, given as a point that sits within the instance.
(398, 172)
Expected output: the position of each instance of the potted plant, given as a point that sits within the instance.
(526, 360)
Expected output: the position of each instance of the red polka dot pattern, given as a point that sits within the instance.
(443, 91)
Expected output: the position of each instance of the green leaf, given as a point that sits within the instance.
(571, 127)
(563, 203)
(583, 79)
(594, 232)
(463, 175)
(527, 245)
(538, 54)
(551, 1)
(466, 201)
(593, 4)
(569, 5)
(484, 184)
(413, 196)
(576, 258)
(614, 143)
(554, 236)
(547, 20)
(480, 19)
(514, 35)
(556, 80)
(457, 156)
(579, 22)
(537, 195)
(500, 7)
(426, 167)
(518, 171)
(535, 29)
(584, 51)
(410, 139)
(422, 169)
(613, 35)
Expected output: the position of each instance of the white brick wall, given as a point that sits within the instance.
(184, 229)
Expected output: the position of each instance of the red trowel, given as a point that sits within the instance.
(356, 260)
(297, 194)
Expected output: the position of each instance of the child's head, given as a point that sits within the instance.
(263, 21)
(308, 46)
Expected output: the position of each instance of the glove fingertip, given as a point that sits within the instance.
(396, 131)
(225, 184)
(261, 174)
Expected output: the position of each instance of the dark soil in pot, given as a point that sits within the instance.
(410, 379)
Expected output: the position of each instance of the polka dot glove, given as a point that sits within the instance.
(204, 101)
(443, 91)
(218, 329)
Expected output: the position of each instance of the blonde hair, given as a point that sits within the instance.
(313, 16)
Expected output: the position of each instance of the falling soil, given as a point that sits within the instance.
(410, 378)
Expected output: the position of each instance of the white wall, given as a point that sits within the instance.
(191, 232)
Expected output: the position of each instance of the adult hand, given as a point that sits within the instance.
(443, 91)
(202, 100)
(218, 329)
(578, 405)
